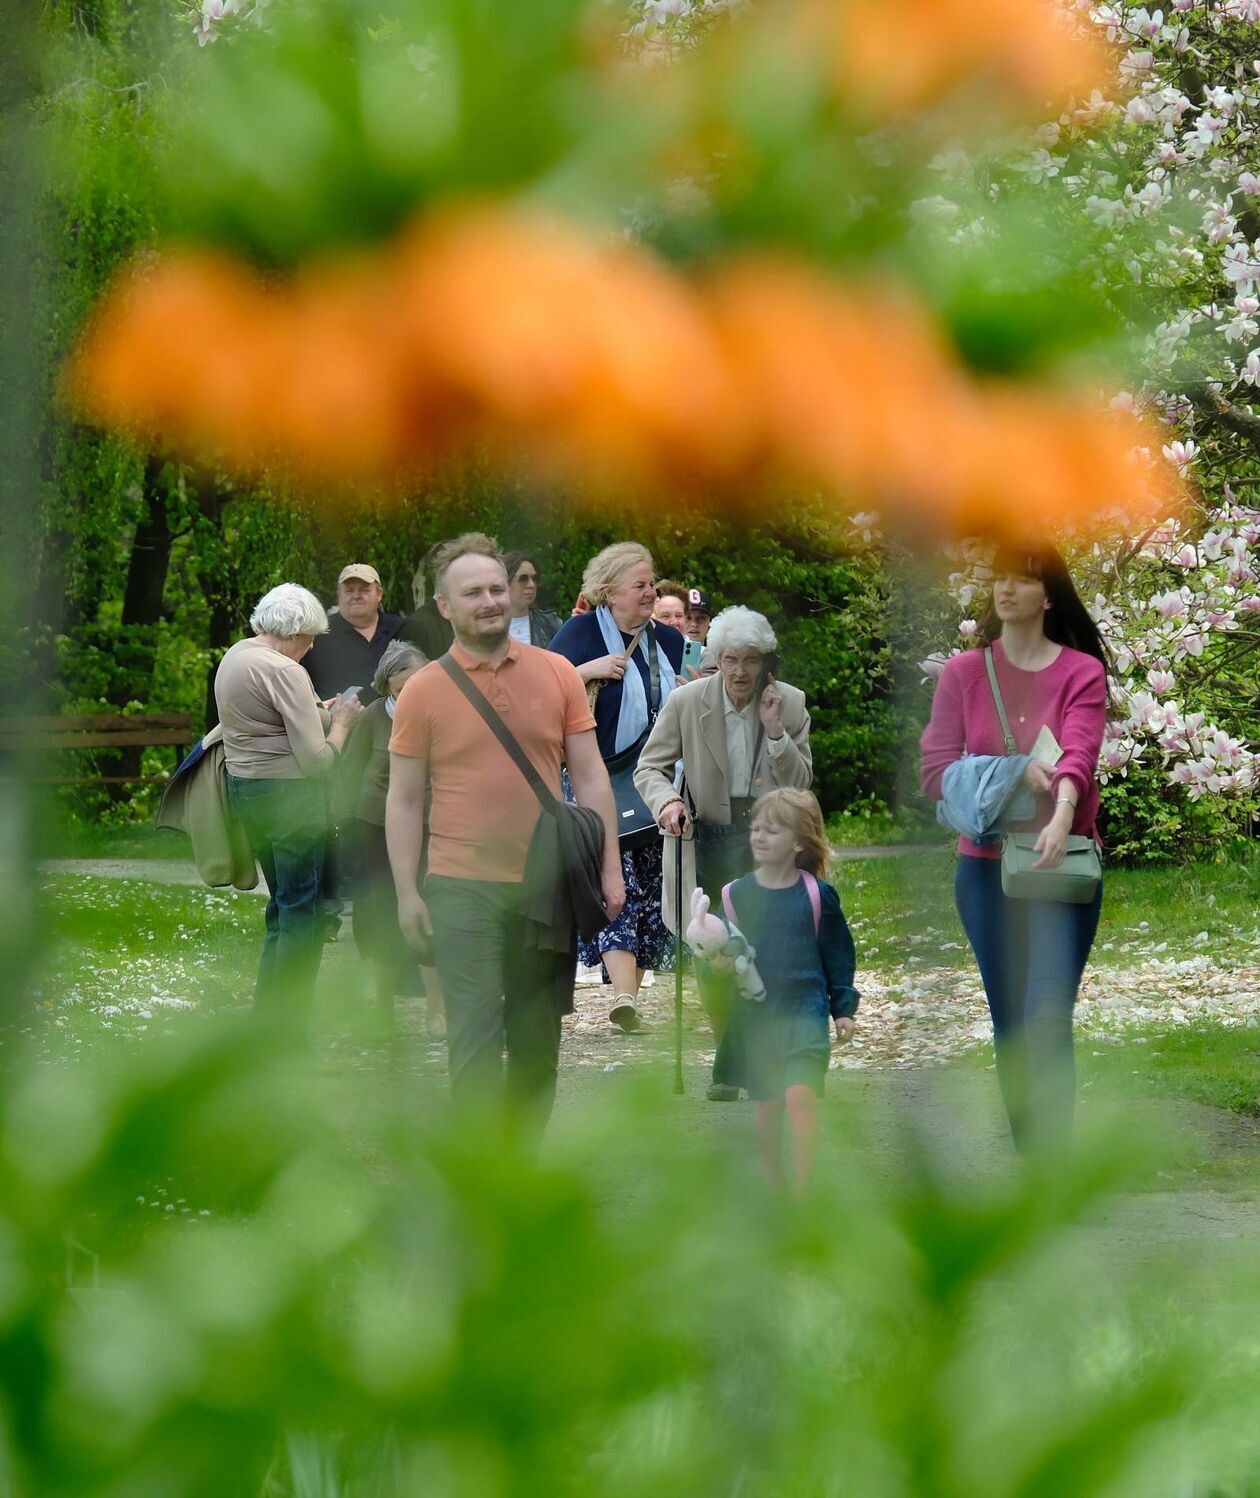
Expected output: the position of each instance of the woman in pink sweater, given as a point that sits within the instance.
(1052, 671)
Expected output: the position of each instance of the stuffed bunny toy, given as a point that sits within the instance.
(710, 938)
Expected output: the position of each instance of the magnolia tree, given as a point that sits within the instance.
(1166, 164)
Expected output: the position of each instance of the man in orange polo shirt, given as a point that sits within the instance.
(501, 988)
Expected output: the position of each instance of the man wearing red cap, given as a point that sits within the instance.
(348, 655)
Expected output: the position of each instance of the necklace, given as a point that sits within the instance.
(1022, 700)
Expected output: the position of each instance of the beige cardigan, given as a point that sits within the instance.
(273, 725)
(692, 728)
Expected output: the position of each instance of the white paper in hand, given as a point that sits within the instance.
(1046, 748)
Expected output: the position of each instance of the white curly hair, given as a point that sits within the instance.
(738, 628)
(289, 610)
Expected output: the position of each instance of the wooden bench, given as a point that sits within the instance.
(95, 731)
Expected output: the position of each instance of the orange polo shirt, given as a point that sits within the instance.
(483, 811)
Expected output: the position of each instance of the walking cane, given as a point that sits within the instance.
(678, 962)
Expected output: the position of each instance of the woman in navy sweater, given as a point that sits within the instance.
(620, 584)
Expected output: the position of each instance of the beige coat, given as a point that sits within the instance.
(196, 802)
(692, 728)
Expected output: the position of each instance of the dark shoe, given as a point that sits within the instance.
(722, 1092)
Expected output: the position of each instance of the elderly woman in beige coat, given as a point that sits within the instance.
(738, 734)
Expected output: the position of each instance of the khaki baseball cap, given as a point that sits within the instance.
(362, 571)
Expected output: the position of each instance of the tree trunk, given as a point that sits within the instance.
(216, 583)
(142, 596)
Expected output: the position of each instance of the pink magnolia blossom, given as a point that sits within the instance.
(1171, 605)
(1193, 645)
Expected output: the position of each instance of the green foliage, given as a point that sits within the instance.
(339, 120)
(1145, 822)
(270, 1315)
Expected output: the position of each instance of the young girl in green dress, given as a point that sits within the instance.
(806, 960)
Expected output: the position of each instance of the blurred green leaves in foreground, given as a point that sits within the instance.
(206, 1288)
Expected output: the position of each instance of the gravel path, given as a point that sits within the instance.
(913, 1023)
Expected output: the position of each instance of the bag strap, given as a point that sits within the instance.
(500, 730)
(811, 888)
(654, 668)
(815, 898)
(1011, 746)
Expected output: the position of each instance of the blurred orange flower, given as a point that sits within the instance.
(345, 407)
(1059, 460)
(565, 348)
(178, 354)
(895, 56)
(843, 381)
(593, 361)
(856, 391)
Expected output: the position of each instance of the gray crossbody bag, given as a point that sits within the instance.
(1077, 878)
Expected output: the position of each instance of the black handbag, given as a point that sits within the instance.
(636, 826)
(566, 853)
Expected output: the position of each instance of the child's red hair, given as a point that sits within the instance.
(800, 813)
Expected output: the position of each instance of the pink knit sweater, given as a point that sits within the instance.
(1070, 695)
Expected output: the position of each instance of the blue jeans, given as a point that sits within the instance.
(1031, 955)
(287, 826)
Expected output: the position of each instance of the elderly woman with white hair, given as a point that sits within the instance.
(738, 733)
(280, 745)
(634, 663)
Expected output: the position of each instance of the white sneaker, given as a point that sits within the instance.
(649, 979)
(589, 977)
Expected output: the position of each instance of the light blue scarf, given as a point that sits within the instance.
(633, 716)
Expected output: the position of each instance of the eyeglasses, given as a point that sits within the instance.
(748, 662)
(526, 577)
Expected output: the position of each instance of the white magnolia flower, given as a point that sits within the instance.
(1181, 454)
(1241, 266)
(1039, 166)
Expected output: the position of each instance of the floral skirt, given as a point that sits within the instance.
(639, 928)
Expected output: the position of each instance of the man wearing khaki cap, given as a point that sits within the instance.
(348, 655)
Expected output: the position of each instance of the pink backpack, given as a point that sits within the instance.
(811, 885)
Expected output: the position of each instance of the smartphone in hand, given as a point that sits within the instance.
(693, 653)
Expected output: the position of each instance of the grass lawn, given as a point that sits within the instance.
(128, 956)
(904, 905)
(63, 839)
(1212, 1064)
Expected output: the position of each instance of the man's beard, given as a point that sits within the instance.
(488, 635)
